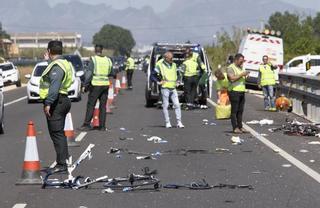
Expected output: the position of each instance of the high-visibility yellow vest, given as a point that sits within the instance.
(66, 82)
(168, 73)
(102, 69)
(239, 85)
(130, 64)
(191, 68)
(195, 57)
(267, 75)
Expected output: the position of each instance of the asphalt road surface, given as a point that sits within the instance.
(254, 162)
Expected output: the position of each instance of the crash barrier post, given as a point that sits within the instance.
(304, 92)
(31, 165)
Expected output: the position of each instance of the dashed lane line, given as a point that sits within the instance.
(15, 101)
(306, 169)
(19, 205)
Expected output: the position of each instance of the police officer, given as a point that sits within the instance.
(237, 77)
(190, 78)
(267, 82)
(54, 84)
(97, 83)
(130, 66)
(165, 74)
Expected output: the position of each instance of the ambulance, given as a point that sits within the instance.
(255, 45)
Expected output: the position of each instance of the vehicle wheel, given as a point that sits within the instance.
(149, 101)
(2, 123)
(18, 83)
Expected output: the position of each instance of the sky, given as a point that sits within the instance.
(161, 5)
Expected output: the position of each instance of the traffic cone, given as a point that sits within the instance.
(110, 101)
(124, 82)
(95, 119)
(69, 131)
(31, 164)
(117, 87)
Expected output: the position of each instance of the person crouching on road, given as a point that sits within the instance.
(165, 74)
(97, 82)
(237, 77)
(54, 84)
(222, 85)
(130, 66)
(267, 82)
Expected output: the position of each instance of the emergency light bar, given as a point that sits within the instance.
(265, 32)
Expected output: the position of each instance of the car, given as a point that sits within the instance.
(307, 64)
(254, 45)
(1, 104)
(74, 92)
(10, 74)
(152, 94)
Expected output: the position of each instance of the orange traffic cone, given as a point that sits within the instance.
(69, 131)
(117, 87)
(110, 101)
(31, 165)
(95, 119)
(124, 82)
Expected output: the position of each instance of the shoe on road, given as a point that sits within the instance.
(237, 131)
(180, 125)
(244, 130)
(168, 125)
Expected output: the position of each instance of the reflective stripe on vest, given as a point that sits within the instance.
(66, 82)
(239, 85)
(191, 68)
(130, 64)
(102, 69)
(267, 75)
(168, 73)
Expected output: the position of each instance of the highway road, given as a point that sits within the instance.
(282, 175)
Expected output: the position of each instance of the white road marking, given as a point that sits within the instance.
(79, 138)
(307, 170)
(15, 101)
(19, 206)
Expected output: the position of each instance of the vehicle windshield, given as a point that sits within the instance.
(39, 70)
(76, 62)
(6, 67)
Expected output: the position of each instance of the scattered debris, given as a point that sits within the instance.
(222, 150)
(276, 150)
(123, 129)
(118, 156)
(236, 140)
(286, 165)
(256, 172)
(303, 151)
(206, 122)
(114, 151)
(145, 158)
(264, 135)
(126, 138)
(157, 140)
(312, 161)
(108, 190)
(261, 122)
(296, 128)
(314, 142)
(127, 189)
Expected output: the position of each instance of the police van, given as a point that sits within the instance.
(257, 44)
(152, 90)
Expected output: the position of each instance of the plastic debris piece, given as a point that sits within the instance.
(205, 121)
(108, 190)
(314, 142)
(261, 122)
(123, 129)
(114, 151)
(303, 151)
(286, 165)
(127, 189)
(156, 154)
(312, 161)
(145, 157)
(126, 138)
(236, 140)
(157, 140)
(264, 135)
(118, 156)
(256, 172)
(276, 150)
(253, 122)
(213, 124)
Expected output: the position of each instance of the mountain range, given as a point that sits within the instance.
(196, 20)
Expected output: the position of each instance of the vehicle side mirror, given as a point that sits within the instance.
(79, 73)
(27, 76)
(308, 66)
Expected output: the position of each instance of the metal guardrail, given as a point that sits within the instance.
(304, 91)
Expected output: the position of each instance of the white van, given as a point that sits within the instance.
(307, 64)
(257, 44)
